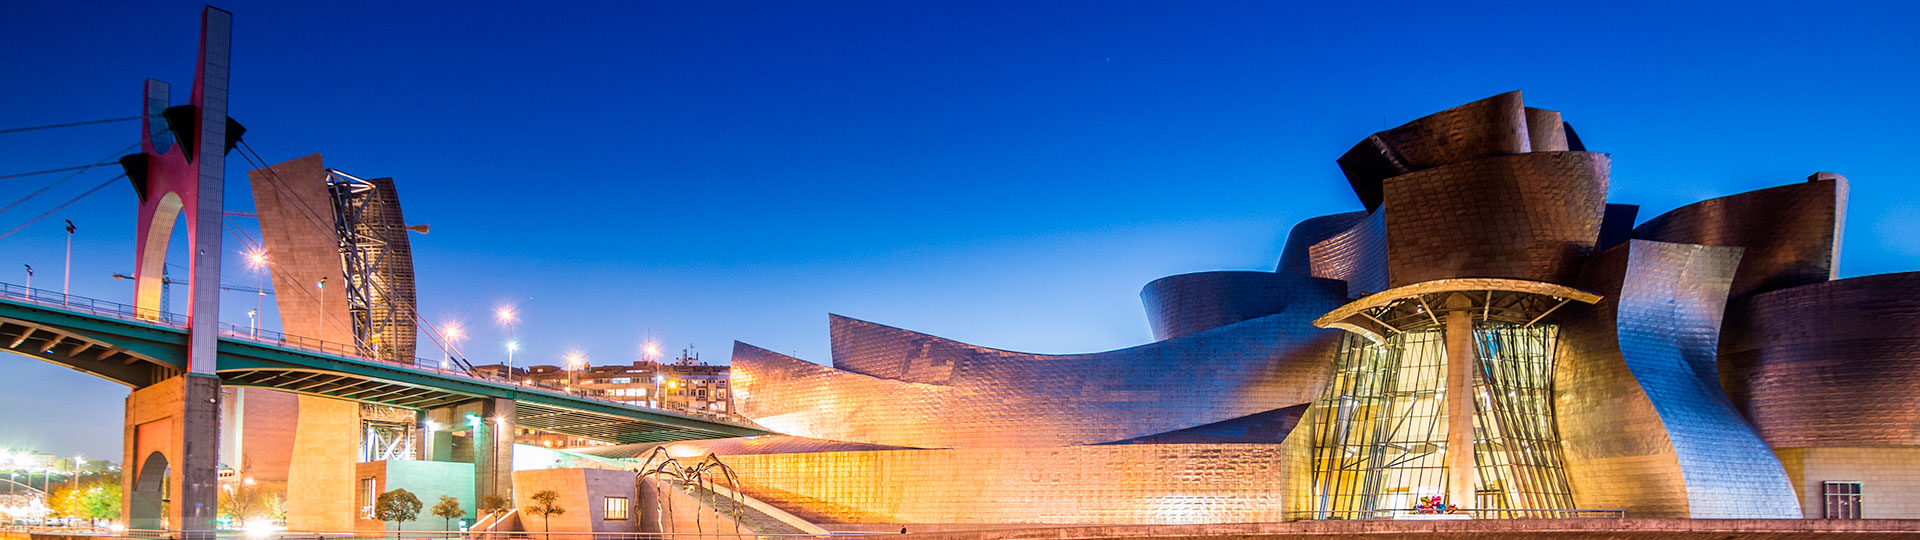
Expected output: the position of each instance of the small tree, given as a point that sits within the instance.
(493, 504)
(396, 506)
(449, 510)
(242, 503)
(545, 504)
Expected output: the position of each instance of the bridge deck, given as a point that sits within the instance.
(121, 343)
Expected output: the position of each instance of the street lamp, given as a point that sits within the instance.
(66, 278)
(575, 361)
(453, 338)
(506, 317)
(511, 347)
(258, 260)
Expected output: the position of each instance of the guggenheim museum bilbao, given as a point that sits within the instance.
(1488, 333)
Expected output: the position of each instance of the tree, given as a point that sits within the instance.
(449, 510)
(493, 504)
(396, 506)
(244, 502)
(545, 504)
(96, 501)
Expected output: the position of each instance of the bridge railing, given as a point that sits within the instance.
(434, 366)
(90, 306)
(225, 534)
(255, 334)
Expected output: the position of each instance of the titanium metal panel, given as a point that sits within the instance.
(998, 398)
(1357, 256)
(1792, 232)
(1189, 303)
(1829, 364)
(1294, 258)
(1489, 127)
(1646, 427)
(1529, 216)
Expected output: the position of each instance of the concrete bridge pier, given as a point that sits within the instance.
(172, 443)
(490, 446)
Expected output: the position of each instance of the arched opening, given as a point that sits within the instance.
(147, 506)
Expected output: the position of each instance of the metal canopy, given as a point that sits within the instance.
(1381, 315)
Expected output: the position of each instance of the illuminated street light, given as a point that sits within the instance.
(575, 361)
(507, 317)
(453, 340)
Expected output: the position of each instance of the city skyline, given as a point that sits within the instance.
(747, 203)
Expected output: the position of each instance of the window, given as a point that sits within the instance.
(614, 508)
(621, 380)
(1842, 499)
(369, 490)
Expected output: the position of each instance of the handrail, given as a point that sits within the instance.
(260, 336)
(1476, 513)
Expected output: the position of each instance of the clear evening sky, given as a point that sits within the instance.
(1004, 174)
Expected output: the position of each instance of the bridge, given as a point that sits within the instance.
(137, 348)
(358, 351)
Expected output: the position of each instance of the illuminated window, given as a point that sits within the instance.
(369, 491)
(1842, 499)
(614, 508)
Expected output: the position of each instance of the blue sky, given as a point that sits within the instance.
(1007, 174)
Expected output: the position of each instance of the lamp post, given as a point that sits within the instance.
(29, 280)
(574, 362)
(511, 346)
(507, 317)
(321, 297)
(258, 260)
(66, 277)
(453, 338)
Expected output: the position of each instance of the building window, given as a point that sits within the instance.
(1842, 499)
(369, 491)
(614, 508)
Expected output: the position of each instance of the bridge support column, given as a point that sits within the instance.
(493, 449)
(172, 444)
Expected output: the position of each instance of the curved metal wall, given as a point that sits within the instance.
(1645, 424)
(1792, 232)
(1490, 127)
(1357, 256)
(1528, 216)
(1294, 258)
(995, 398)
(1829, 364)
(1190, 303)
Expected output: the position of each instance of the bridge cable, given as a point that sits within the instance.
(109, 182)
(71, 124)
(51, 171)
(63, 180)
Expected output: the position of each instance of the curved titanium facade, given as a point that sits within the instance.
(1294, 258)
(1830, 364)
(1357, 256)
(968, 396)
(1190, 303)
(1490, 127)
(1528, 216)
(1791, 233)
(1646, 426)
(1604, 344)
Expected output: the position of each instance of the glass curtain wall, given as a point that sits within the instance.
(1380, 427)
(1517, 450)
